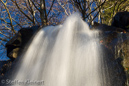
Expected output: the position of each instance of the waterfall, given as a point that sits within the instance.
(63, 55)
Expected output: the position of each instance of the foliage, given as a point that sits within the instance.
(111, 7)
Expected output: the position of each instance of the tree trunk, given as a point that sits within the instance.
(43, 15)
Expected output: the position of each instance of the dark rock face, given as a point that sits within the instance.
(104, 27)
(17, 43)
(119, 46)
(5, 66)
(14, 48)
(121, 20)
(112, 69)
(116, 39)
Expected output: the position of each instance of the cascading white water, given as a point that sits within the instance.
(64, 55)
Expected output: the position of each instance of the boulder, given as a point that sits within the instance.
(17, 44)
(121, 20)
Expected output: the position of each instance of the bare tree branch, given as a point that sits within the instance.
(22, 11)
(11, 23)
(3, 39)
(95, 9)
(63, 7)
(51, 7)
